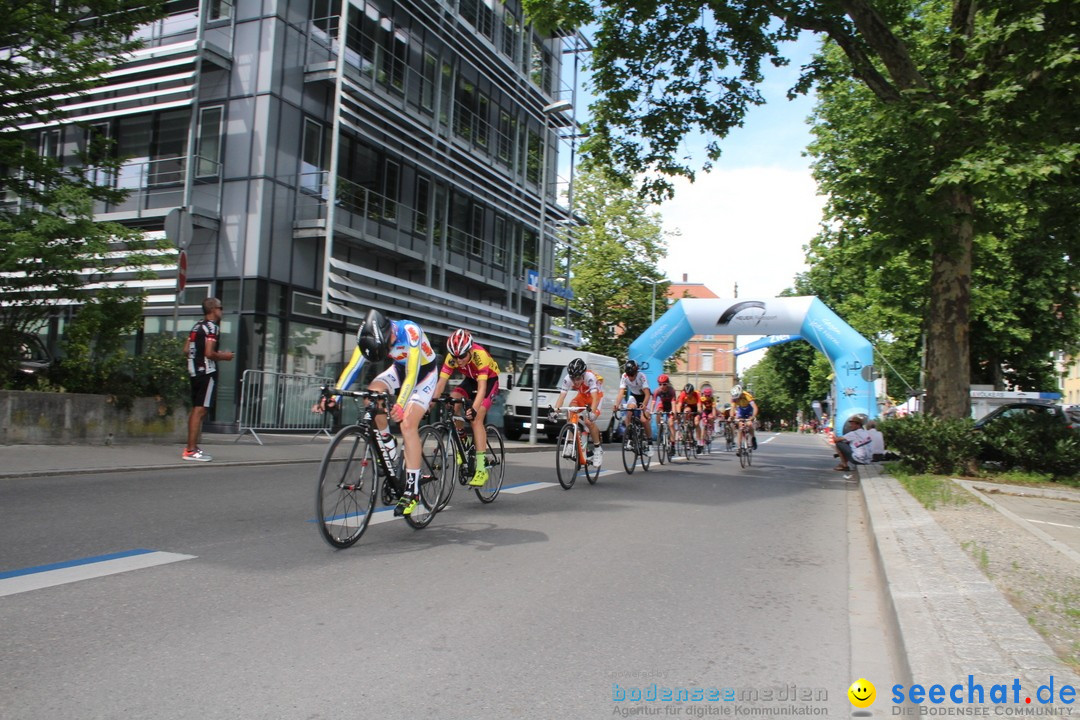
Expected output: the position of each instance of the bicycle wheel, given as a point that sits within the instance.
(592, 472)
(744, 453)
(643, 449)
(454, 466)
(566, 457)
(495, 458)
(629, 448)
(435, 471)
(661, 443)
(348, 484)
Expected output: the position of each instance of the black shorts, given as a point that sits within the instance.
(203, 388)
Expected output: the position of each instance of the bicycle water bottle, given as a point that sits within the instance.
(389, 447)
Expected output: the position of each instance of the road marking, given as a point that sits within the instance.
(43, 576)
(1047, 522)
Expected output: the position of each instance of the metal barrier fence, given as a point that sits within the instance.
(278, 401)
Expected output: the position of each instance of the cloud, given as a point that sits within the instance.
(745, 225)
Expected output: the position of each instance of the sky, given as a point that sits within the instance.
(748, 219)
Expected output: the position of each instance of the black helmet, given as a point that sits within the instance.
(688, 389)
(576, 368)
(373, 337)
(630, 368)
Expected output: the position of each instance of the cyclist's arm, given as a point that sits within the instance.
(351, 371)
(559, 400)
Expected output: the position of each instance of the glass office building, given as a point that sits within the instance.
(317, 159)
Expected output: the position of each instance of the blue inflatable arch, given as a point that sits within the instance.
(850, 354)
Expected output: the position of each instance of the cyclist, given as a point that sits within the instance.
(727, 422)
(580, 379)
(479, 388)
(745, 410)
(687, 403)
(708, 413)
(635, 386)
(663, 401)
(413, 375)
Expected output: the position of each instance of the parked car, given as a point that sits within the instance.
(34, 357)
(1037, 424)
(1069, 416)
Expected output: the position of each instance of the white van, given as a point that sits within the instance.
(553, 361)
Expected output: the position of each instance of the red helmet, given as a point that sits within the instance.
(663, 379)
(706, 391)
(459, 344)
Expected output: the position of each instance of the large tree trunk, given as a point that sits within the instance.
(948, 345)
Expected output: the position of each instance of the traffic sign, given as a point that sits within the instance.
(181, 272)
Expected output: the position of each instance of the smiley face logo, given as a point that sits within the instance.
(862, 693)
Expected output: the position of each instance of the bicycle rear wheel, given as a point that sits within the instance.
(435, 470)
(495, 458)
(348, 483)
(454, 467)
(629, 448)
(566, 457)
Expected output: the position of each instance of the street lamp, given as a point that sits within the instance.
(654, 283)
(538, 319)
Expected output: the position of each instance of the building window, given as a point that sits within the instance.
(707, 362)
(447, 94)
(511, 37)
(427, 90)
(482, 127)
(476, 231)
(420, 215)
(505, 139)
(532, 173)
(391, 190)
(208, 161)
(313, 158)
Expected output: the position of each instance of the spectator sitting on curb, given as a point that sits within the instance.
(854, 446)
(877, 442)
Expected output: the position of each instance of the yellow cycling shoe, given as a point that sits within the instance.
(406, 505)
(479, 478)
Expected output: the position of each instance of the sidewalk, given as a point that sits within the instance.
(41, 460)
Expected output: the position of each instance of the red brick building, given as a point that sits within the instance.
(706, 358)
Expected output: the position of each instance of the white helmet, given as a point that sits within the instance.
(736, 391)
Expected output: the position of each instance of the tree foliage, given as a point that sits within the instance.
(615, 262)
(50, 246)
(971, 103)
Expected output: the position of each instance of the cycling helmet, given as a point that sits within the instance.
(663, 379)
(707, 391)
(373, 337)
(736, 391)
(630, 368)
(688, 388)
(575, 368)
(459, 344)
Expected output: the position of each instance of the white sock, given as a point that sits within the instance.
(412, 480)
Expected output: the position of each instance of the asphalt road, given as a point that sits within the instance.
(546, 604)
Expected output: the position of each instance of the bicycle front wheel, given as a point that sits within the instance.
(744, 453)
(661, 443)
(348, 483)
(629, 449)
(495, 458)
(454, 465)
(566, 457)
(643, 450)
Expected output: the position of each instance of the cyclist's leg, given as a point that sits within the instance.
(415, 408)
(480, 476)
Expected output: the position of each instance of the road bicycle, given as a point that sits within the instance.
(684, 431)
(663, 438)
(746, 450)
(707, 435)
(635, 446)
(461, 450)
(574, 448)
(356, 467)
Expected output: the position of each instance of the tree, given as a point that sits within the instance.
(614, 262)
(50, 246)
(984, 94)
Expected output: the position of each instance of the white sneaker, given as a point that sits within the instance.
(650, 451)
(597, 456)
(196, 455)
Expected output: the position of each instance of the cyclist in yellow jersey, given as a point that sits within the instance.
(412, 374)
(479, 388)
(746, 410)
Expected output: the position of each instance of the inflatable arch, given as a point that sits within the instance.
(850, 354)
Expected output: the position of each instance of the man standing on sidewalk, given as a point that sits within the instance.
(203, 356)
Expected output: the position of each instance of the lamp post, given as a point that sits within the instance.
(538, 318)
(653, 283)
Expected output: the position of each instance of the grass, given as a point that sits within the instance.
(930, 490)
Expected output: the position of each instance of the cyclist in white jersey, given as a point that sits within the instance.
(584, 383)
(634, 385)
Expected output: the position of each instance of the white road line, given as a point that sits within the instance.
(51, 575)
(1047, 522)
